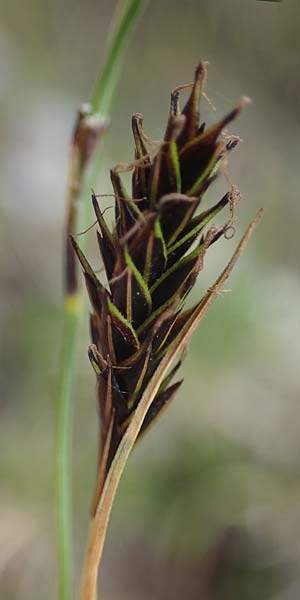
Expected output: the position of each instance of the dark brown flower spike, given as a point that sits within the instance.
(152, 259)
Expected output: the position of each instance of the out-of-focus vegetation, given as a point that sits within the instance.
(209, 505)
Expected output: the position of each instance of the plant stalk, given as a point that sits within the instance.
(89, 127)
(101, 519)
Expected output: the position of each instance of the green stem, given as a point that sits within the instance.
(126, 15)
(64, 448)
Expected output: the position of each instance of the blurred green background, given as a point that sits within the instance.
(209, 506)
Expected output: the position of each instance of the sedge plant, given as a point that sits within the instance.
(152, 257)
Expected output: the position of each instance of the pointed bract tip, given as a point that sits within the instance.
(244, 101)
(201, 71)
(137, 117)
(79, 253)
(241, 104)
(94, 200)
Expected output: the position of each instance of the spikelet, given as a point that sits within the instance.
(152, 259)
